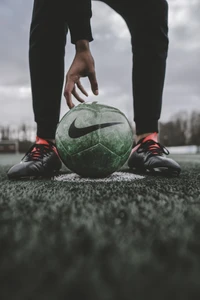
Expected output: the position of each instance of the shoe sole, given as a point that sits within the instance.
(166, 171)
(45, 176)
(159, 171)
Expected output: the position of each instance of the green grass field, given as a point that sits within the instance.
(114, 240)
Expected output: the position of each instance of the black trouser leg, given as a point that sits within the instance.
(147, 21)
(150, 49)
(46, 60)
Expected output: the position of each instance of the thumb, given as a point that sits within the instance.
(94, 84)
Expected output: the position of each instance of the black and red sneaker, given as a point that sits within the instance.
(149, 155)
(41, 160)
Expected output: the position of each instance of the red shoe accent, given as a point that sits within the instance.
(41, 141)
(135, 148)
(152, 136)
(55, 150)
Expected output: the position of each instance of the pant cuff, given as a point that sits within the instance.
(46, 131)
(147, 126)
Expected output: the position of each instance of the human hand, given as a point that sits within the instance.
(82, 66)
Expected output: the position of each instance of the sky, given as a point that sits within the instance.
(111, 50)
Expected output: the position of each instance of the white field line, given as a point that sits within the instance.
(115, 177)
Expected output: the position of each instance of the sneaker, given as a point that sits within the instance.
(41, 160)
(149, 155)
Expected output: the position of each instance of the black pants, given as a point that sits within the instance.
(147, 21)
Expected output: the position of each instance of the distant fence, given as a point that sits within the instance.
(11, 146)
(184, 149)
(14, 146)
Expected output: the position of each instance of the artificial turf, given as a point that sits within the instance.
(101, 241)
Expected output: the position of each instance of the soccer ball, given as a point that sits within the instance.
(94, 140)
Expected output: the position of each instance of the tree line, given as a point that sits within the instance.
(182, 129)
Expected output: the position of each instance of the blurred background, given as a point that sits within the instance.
(111, 48)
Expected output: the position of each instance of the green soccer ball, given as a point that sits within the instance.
(94, 140)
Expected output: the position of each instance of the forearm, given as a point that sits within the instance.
(79, 14)
(82, 45)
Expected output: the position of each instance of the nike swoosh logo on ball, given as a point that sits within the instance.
(75, 132)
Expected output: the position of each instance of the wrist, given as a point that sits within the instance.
(82, 45)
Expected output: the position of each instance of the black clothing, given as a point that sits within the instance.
(147, 21)
(78, 14)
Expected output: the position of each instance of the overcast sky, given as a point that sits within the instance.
(112, 52)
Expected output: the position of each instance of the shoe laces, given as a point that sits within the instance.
(154, 148)
(37, 151)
